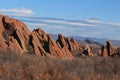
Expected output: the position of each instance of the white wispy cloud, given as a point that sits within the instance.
(79, 24)
(17, 11)
(57, 21)
(94, 20)
(60, 22)
(66, 22)
(113, 24)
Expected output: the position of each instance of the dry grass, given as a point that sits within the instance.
(30, 67)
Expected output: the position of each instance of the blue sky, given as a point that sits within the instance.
(89, 18)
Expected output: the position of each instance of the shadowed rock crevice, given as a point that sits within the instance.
(60, 38)
(6, 25)
(17, 38)
(69, 44)
(46, 47)
(30, 45)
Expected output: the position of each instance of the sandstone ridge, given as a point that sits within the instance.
(15, 36)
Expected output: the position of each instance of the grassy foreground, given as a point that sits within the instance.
(30, 67)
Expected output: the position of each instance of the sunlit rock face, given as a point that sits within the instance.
(15, 35)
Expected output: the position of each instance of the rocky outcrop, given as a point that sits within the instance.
(3, 45)
(87, 50)
(104, 51)
(15, 35)
(44, 44)
(36, 43)
(63, 41)
(71, 44)
(108, 50)
(75, 45)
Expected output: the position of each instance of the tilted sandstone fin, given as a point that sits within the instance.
(47, 45)
(75, 45)
(20, 39)
(71, 44)
(55, 50)
(36, 44)
(14, 45)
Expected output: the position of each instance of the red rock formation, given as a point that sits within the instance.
(107, 51)
(104, 51)
(10, 27)
(36, 43)
(3, 46)
(75, 45)
(14, 45)
(71, 44)
(55, 50)
(88, 50)
(47, 45)
(16, 36)
(63, 41)
(110, 48)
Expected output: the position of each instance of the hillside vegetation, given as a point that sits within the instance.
(31, 67)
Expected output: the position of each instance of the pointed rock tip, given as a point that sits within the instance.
(38, 30)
